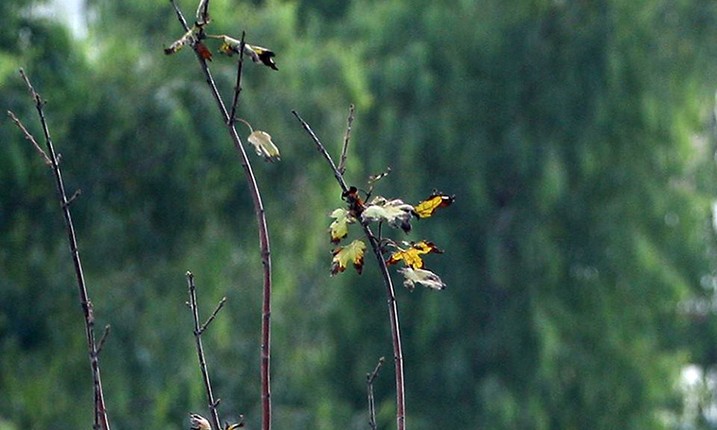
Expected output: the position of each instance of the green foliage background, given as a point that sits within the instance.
(575, 135)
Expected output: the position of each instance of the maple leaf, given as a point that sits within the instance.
(263, 145)
(339, 228)
(436, 200)
(231, 46)
(421, 276)
(395, 212)
(198, 422)
(351, 253)
(411, 256)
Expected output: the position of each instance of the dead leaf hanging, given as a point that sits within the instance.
(263, 145)
(421, 276)
(339, 228)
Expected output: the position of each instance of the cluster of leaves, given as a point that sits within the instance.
(230, 46)
(397, 214)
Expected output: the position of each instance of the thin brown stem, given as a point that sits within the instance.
(200, 351)
(237, 88)
(369, 388)
(347, 138)
(390, 291)
(265, 349)
(101, 420)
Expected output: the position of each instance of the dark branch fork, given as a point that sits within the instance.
(101, 421)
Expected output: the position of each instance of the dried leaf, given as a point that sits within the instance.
(263, 145)
(395, 212)
(203, 51)
(356, 204)
(411, 256)
(339, 228)
(351, 253)
(421, 276)
(198, 422)
(189, 38)
(203, 13)
(436, 200)
(231, 46)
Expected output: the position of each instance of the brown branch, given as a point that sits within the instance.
(370, 377)
(265, 350)
(200, 349)
(29, 137)
(237, 88)
(101, 420)
(390, 291)
(213, 315)
(347, 137)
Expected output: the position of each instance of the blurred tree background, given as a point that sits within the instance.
(580, 254)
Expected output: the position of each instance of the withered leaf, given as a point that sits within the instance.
(263, 146)
(395, 212)
(424, 277)
(412, 255)
(436, 200)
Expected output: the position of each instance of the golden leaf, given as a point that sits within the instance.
(263, 145)
(424, 277)
(339, 228)
(395, 212)
(411, 256)
(436, 200)
(343, 255)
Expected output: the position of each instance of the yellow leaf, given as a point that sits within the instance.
(263, 145)
(343, 255)
(436, 200)
(424, 277)
(339, 228)
(411, 256)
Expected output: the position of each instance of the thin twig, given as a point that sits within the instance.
(347, 137)
(265, 250)
(213, 315)
(237, 88)
(103, 339)
(101, 420)
(322, 149)
(390, 291)
(370, 377)
(29, 137)
(200, 352)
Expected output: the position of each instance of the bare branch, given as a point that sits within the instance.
(213, 315)
(103, 339)
(200, 350)
(101, 419)
(347, 137)
(370, 377)
(237, 88)
(265, 249)
(29, 137)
